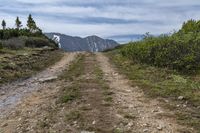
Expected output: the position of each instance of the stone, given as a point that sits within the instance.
(86, 132)
(180, 98)
(5, 125)
(167, 101)
(19, 119)
(155, 110)
(184, 105)
(22, 84)
(94, 122)
(48, 79)
(2, 93)
(160, 127)
(130, 124)
(145, 130)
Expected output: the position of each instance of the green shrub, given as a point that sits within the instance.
(38, 42)
(180, 51)
(14, 43)
(10, 33)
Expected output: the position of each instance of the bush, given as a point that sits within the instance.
(180, 51)
(10, 33)
(14, 43)
(38, 42)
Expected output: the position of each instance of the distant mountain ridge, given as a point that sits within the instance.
(90, 43)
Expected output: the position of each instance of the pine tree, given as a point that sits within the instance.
(31, 23)
(18, 23)
(3, 24)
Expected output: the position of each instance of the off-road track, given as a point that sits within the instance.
(107, 102)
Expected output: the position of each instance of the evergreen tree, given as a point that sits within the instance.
(18, 23)
(3, 24)
(31, 23)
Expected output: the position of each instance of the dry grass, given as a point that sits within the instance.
(15, 64)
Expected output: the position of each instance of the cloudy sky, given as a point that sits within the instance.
(119, 19)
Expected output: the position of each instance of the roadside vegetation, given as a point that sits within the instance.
(24, 51)
(178, 51)
(16, 64)
(166, 67)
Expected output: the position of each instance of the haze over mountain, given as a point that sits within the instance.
(90, 43)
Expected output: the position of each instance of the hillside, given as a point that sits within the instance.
(24, 52)
(90, 43)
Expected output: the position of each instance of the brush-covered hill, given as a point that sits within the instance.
(25, 51)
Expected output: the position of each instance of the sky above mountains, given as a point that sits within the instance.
(119, 19)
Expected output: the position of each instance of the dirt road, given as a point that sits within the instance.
(148, 114)
(91, 98)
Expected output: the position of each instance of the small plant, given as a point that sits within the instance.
(108, 99)
(70, 94)
(73, 115)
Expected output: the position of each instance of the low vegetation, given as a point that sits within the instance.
(23, 51)
(30, 36)
(72, 92)
(179, 51)
(85, 95)
(15, 64)
(166, 67)
(181, 92)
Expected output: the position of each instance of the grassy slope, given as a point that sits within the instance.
(166, 84)
(15, 64)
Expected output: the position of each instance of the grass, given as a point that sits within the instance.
(75, 70)
(108, 99)
(15, 64)
(70, 94)
(107, 93)
(84, 91)
(73, 115)
(164, 83)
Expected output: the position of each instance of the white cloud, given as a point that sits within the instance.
(38, 1)
(70, 16)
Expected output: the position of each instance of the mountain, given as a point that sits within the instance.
(90, 43)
